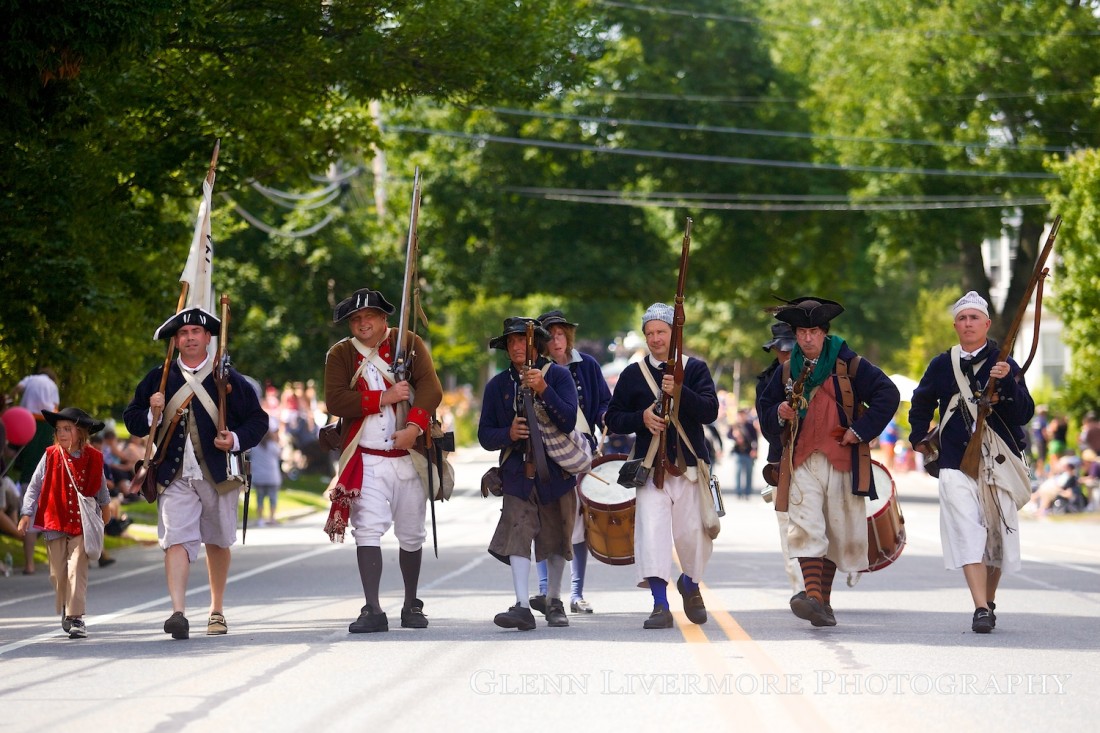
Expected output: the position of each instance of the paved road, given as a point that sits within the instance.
(902, 657)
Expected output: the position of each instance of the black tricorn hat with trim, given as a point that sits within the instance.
(782, 337)
(76, 415)
(194, 316)
(518, 324)
(809, 312)
(555, 318)
(357, 301)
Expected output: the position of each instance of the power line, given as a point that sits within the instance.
(616, 121)
(782, 207)
(817, 26)
(268, 229)
(771, 197)
(729, 160)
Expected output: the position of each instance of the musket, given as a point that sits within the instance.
(233, 472)
(144, 472)
(795, 390)
(535, 451)
(668, 405)
(971, 460)
(402, 355)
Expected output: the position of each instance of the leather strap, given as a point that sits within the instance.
(848, 402)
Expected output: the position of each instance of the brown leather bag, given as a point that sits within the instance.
(329, 435)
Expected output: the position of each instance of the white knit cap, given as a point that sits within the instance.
(658, 312)
(970, 301)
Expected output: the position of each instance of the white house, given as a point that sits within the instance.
(1053, 357)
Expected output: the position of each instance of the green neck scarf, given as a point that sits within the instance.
(825, 364)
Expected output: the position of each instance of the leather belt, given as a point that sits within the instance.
(383, 453)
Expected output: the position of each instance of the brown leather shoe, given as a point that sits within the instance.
(693, 602)
(555, 613)
(661, 618)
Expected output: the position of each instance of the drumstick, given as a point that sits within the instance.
(601, 478)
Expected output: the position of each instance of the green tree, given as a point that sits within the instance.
(1077, 276)
(110, 112)
(966, 85)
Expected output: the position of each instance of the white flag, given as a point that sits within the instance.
(200, 260)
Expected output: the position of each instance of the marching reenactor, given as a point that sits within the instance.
(381, 419)
(669, 515)
(540, 504)
(593, 397)
(977, 520)
(196, 495)
(841, 401)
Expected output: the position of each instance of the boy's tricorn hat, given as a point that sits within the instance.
(518, 324)
(782, 338)
(194, 316)
(357, 301)
(555, 318)
(808, 312)
(76, 415)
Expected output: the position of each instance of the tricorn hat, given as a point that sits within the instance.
(809, 312)
(555, 318)
(76, 415)
(782, 338)
(518, 324)
(357, 301)
(194, 316)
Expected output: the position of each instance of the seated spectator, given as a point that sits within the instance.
(1090, 478)
(1061, 484)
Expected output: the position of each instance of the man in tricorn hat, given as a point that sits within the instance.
(593, 397)
(781, 344)
(978, 520)
(197, 504)
(538, 509)
(377, 484)
(668, 517)
(846, 402)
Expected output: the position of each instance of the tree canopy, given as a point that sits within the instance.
(857, 150)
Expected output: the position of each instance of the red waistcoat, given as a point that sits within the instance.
(58, 507)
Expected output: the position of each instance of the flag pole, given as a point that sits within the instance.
(185, 287)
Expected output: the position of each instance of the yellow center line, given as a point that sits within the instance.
(746, 707)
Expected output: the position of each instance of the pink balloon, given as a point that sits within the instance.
(19, 424)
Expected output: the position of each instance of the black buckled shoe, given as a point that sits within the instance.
(983, 621)
(824, 617)
(413, 617)
(693, 603)
(800, 605)
(555, 613)
(661, 618)
(993, 613)
(810, 609)
(369, 621)
(537, 603)
(177, 626)
(516, 617)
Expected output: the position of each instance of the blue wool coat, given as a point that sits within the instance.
(592, 391)
(498, 409)
(244, 416)
(1014, 409)
(698, 407)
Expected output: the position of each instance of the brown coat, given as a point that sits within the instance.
(353, 404)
